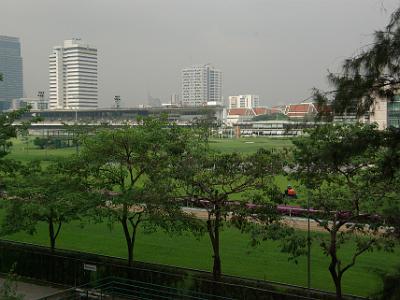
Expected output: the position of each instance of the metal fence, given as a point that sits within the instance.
(125, 289)
(76, 269)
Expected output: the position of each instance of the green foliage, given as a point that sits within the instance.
(9, 289)
(53, 194)
(339, 164)
(204, 125)
(8, 130)
(373, 72)
(263, 222)
(333, 149)
(191, 253)
(131, 170)
(215, 178)
(40, 142)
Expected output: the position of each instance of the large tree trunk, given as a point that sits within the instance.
(129, 242)
(217, 266)
(52, 235)
(336, 279)
(130, 238)
(213, 231)
(333, 266)
(338, 288)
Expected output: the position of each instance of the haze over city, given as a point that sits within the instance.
(276, 49)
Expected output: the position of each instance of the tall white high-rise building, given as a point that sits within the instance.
(201, 84)
(244, 101)
(73, 76)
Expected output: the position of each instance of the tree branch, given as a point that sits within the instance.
(358, 253)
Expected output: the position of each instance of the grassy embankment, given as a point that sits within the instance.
(238, 258)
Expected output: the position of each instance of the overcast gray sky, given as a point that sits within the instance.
(278, 49)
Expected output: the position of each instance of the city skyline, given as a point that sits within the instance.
(145, 47)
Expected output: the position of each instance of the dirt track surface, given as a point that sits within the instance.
(295, 222)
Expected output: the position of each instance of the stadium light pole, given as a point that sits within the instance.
(117, 102)
(41, 100)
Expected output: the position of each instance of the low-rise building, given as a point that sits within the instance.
(384, 112)
(237, 115)
(301, 110)
(33, 103)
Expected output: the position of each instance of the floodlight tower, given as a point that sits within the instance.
(117, 101)
(40, 95)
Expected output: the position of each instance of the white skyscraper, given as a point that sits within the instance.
(73, 76)
(201, 84)
(244, 101)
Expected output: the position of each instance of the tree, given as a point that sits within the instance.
(339, 164)
(374, 71)
(77, 131)
(53, 194)
(130, 169)
(212, 179)
(41, 142)
(8, 129)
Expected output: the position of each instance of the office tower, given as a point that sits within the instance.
(201, 84)
(244, 101)
(73, 76)
(11, 87)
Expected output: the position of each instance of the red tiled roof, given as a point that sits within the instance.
(261, 111)
(299, 108)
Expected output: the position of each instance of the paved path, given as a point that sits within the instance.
(33, 291)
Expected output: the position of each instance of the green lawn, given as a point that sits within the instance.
(249, 144)
(264, 262)
(24, 151)
(238, 258)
